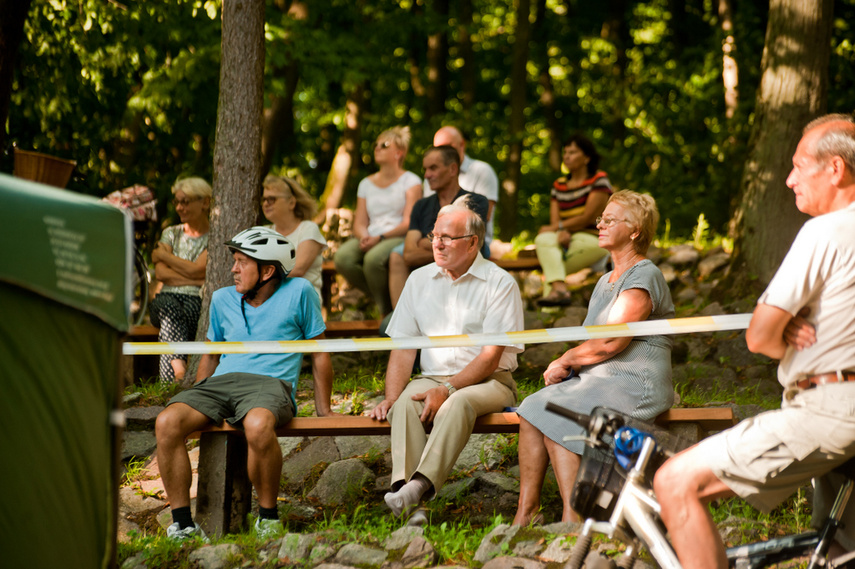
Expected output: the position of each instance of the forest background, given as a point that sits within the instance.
(670, 90)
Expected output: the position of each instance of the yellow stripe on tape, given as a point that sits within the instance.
(571, 334)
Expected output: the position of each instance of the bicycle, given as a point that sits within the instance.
(139, 203)
(613, 493)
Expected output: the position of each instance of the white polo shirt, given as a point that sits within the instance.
(484, 299)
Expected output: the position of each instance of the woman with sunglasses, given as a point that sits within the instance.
(290, 209)
(179, 261)
(384, 201)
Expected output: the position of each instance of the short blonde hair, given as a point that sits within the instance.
(306, 207)
(401, 136)
(642, 213)
(193, 187)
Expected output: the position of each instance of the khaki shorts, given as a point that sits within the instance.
(231, 396)
(766, 458)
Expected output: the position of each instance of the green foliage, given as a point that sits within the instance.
(130, 91)
(153, 392)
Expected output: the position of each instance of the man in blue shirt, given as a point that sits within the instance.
(252, 392)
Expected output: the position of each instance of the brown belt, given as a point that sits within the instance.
(823, 378)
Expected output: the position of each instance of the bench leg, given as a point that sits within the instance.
(224, 493)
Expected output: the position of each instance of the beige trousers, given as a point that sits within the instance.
(434, 456)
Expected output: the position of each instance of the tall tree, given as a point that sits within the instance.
(437, 60)
(11, 33)
(347, 155)
(792, 91)
(237, 151)
(516, 125)
(547, 89)
(468, 71)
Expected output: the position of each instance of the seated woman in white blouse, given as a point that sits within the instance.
(384, 201)
(290, 209)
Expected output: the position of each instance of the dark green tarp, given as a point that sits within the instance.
(63, 310)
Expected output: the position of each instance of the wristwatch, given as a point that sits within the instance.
(451, 389)
(382, 237)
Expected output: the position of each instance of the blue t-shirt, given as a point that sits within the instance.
(293, 312)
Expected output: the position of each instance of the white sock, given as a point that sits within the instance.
(408, 496)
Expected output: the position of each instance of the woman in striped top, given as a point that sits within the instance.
(569, 243)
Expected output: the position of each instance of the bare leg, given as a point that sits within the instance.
(171, 429)
(398, 273)
(264, 463)
(684, 486)
(566, 466)
(533, 460)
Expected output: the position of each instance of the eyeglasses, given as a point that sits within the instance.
(609, 221)
(184, 203)
(446, 240)
(385, 144)
(271, 200)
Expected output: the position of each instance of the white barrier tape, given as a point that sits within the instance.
(576, 333)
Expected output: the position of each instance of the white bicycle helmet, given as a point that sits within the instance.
(265, 245)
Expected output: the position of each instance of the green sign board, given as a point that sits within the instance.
(72, 248)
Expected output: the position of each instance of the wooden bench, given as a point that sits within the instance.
(224, 492)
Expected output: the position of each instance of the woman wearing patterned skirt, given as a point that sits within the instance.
(632, 375)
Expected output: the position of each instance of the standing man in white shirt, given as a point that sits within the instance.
(460, 293)
(475, 176)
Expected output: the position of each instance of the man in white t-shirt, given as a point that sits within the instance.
(806, 319)
(459, 293)
(475, 176)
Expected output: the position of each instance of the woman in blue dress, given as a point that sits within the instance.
(632, 375)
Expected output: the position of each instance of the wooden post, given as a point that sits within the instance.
(224, 493)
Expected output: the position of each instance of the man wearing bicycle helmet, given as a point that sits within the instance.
(252, 392)
(805, 318)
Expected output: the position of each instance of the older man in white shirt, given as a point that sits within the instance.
(460, 293)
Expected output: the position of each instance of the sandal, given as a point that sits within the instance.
(555, 298)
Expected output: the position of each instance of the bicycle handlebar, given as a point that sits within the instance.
(580, 419)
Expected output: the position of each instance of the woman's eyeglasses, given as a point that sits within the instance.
(385, 144)
(609, 221)
(184, 202)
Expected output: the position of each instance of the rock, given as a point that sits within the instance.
(137, 444)
(290, 444)
(559, 550)
(499, 481)
(215, 556)
(704, 377)
(358, 446)
(595, 560)
(296, 547)
(479, 451)
(669, 272)
(135, 562)
(532, 286)
(297, 468)
(532, 320)
(133, 501)
(142, 417)
(684, 254)
(400, 538)
(562, 528)
(341, 480)
(686, 296)
(131, 398)
(712, 262)
(359, 555)
(576, 313)
(538, 356)
(420, 553)
(513, 563)
(712, 309)
(529, 548)
(491, 545)
(457, 489)
(734, 352)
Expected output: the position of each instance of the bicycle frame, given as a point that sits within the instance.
(635, 520)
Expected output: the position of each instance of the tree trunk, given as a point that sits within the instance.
(468, 72)
(516, 125)
(616, 31)
(729, 68)
(237, 151)
(437, 58)
(347, 154)
(792, 91)
(547, 93)
(11, 33)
